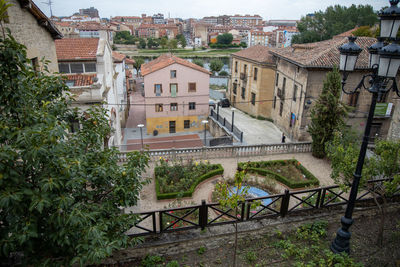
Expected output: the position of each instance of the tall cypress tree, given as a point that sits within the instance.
(327, 114)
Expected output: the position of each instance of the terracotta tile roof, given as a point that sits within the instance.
(118, 57)
(92, 26)
(257, 53)
(76, 48)
(129, 61)
(323, 54)
(346, 34)
(165, 60)
(80, 79)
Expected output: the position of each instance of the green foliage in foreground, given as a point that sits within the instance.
(61, 193)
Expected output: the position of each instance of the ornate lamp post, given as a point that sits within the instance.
(384, 63)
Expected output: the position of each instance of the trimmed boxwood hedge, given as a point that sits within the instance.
(257, 167)
(188, 193)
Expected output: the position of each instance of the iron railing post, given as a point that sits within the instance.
(203, 215)
(285, 203)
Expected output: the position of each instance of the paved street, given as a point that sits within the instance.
(254, 131)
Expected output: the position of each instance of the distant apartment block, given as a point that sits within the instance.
(158, 18)
(91, 12)
(176, 95)
(258, 38)
(246, 20)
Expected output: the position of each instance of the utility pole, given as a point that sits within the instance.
(49, 3)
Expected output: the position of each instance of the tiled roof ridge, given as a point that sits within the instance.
(168, 59)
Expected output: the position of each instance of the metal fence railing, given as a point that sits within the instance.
(279, 205)
(228, 125)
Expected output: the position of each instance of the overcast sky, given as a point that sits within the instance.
(268, 9)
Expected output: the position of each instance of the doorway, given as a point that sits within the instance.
(172, 126)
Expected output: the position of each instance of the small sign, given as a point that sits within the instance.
(383, 109)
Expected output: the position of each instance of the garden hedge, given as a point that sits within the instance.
(189, 192)
(257, 167)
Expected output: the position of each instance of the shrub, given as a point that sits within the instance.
(223, 73)
(260, 168)
(181, 180)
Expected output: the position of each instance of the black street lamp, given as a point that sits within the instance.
(233, 116)
(205, 131)
(384, 62)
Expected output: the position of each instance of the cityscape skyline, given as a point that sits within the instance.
(267, 9)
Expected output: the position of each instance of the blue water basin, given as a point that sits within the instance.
(253, 193)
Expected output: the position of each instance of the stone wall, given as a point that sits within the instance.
(26, 30)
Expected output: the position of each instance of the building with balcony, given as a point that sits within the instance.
(251, 85)
(258, 38)
(87, 66)
(300, 74)
(176, 95)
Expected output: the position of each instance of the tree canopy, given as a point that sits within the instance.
(216, 65)
(334, 20)
(61, 191)
(327, 114)
(225, 38)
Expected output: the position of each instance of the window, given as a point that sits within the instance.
(294, 92)
(253, 99)
(186, 124)
(76, 68)
(353, 99)
(159, 107)
(274, 102)
(243, 92)
(173, 89)
(174, 106)
(192, 87)
(284, 84)
(245, 69)
(158, 89)
(277, 79)
(173, 73)
(255, 74)
(90, 67)
(192, 105)
(236, 66)
(234, 88)
(383, 98)
(63, 68)
(35, 63)
(281, 108)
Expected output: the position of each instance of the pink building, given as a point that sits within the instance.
(176, 95)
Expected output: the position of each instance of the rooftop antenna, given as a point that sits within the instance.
(49, 3)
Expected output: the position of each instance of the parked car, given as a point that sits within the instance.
(224, 102)
(211, 103)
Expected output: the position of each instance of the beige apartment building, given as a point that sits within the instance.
(300, 74)
(31, 27)
(251, 85)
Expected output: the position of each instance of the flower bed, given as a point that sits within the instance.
(180, 180)
(289, 172)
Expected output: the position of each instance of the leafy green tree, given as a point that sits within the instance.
(61, 191)
(137, 65)
(364, 31)
(334, 20)
(225, 38)
(384, 162)
(198, 62)
(164, 42)
(172, 44)
(142, 43)
(181, 40)
(151, 43)
(223, 73)
(216, 65)
(328, 113)
(124, 37)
